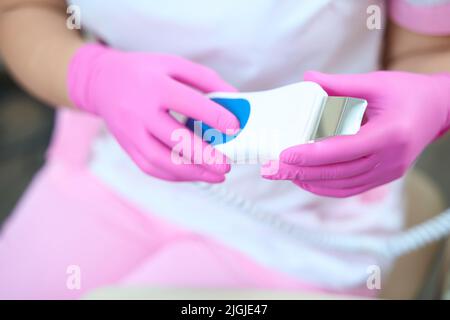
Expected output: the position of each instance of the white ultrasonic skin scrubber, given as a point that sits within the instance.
(276, 119)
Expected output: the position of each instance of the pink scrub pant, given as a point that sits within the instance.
(69, 218)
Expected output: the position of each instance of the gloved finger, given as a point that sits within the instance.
(160, 156)
(185, 172)
(335, 149)
(146, 166)
(190, 146)
(328, 172)
(337, 193)
(349, 85)
(197, 76)
(197, 106)
(140, 160)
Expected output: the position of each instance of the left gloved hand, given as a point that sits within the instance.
(405, 113)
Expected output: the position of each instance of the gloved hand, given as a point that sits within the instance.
(133, 93)
(405, 113)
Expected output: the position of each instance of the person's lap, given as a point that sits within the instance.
(67, 218)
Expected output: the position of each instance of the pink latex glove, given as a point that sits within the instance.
(405, 113)
(133, 93)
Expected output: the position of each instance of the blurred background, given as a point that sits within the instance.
(25, 131)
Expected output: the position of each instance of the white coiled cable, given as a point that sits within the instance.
(392, 246)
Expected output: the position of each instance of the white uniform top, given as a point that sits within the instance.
(254, 45)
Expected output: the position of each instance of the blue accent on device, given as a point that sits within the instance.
(238, 106)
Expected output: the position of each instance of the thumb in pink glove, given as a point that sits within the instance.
(133, 93)
(405, 113)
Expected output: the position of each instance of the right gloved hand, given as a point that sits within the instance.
(133, 93)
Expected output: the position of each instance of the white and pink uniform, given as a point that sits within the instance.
(91, 207)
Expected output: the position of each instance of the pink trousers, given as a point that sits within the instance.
(67, 218)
